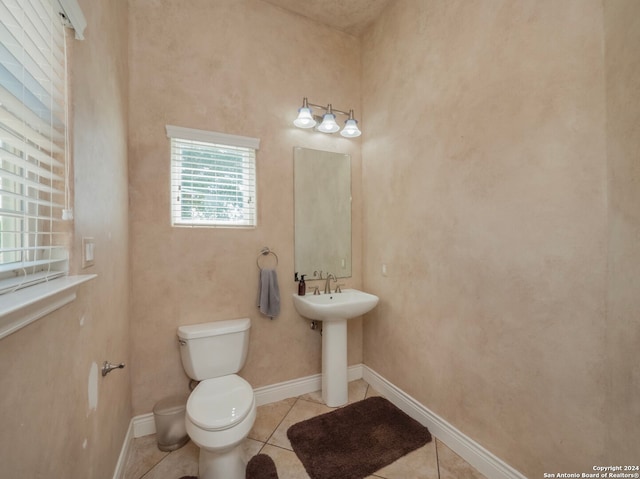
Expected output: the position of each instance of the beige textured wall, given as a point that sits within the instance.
(622, 34)
(239, 67)
(484, 192)
(48, 429)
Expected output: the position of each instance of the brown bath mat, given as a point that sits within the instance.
(355, 441)
(260, 466)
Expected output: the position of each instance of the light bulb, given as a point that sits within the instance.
(351, 129)
(305, 118)
(328, 124)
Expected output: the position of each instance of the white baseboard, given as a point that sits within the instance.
(144, 424)
(124, 452)
(472, 452)
(287, 389)
(298, 387)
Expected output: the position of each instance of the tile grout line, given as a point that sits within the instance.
(276, 428)
(278, 425)
(156, 464)
(289, 450)
(435, 441)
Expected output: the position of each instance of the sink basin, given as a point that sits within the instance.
(334, 310)
(335, 306)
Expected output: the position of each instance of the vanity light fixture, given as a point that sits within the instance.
(328, 124)
(305, 116)
(351, 129)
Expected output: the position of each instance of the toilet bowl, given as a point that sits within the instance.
(221, 410)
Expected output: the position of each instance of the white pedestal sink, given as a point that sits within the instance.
(334, 310)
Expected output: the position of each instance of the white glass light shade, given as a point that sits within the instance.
(351, 129)
(305, 118)
(328, 124)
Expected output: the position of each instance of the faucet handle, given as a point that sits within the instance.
(327, 284)
(339, 288)
(316, 290)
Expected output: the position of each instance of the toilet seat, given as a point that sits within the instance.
(220, 403)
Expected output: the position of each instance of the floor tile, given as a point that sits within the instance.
(453, 466)
(287, 463)
(357, 390)
(269, 436)
(144, 455)
(419, 464)
(183, 462)
(250, 448)
(315, 396)
(300, 411)
(372, 393)
(268, 417)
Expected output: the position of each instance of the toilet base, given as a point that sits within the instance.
(225, 465)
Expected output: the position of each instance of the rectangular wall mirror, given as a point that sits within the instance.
(322, 198)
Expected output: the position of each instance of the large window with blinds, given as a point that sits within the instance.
(33, 242)
(213, 178)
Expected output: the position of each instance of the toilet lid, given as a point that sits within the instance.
(220, 403)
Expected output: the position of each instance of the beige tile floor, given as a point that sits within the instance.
(269, 436)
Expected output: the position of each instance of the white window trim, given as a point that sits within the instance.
(27, 305)
(212, 137)
(215, 138)
(74, 16)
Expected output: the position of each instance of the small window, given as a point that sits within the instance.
(213, 178)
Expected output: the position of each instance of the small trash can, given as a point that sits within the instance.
(168, 413)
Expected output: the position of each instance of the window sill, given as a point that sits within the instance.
(30, 304)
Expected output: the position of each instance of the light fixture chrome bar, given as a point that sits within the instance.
(329, 107)
(306, 119)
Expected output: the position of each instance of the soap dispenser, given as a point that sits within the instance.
(302, 287)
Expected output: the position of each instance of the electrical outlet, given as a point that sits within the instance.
(88, 250)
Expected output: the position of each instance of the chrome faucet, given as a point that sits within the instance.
(327, 284)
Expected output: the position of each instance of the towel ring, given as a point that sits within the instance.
(265, 252)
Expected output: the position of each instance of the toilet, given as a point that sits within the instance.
(221, 409)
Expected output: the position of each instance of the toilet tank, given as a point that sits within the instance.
(211, 350)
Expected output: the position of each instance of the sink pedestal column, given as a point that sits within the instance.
(335, 384)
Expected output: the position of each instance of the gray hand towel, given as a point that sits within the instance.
(269, 293)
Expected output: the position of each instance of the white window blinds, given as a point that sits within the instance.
(213, 178)
(32, 143)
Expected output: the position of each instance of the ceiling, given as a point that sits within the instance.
(350, 16)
